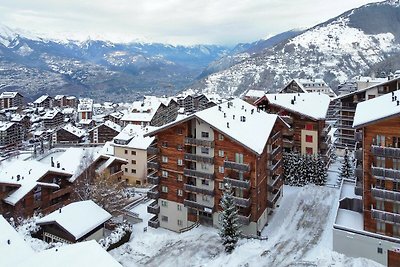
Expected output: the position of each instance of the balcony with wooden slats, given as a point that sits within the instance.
(154, 222)
(153, 208)
(242, 167)
(198, 174)
(237, 183)
(198, 142)
(385, 216)
(390, 152)
(387, 195)
(242, 202)
(385, 173)
(199, 158)
(195, 189)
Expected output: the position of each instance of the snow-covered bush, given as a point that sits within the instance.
(346, 170)
(116, 235)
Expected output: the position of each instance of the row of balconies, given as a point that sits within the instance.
(195, 189)
(385, 194)
(385, 216)
(242, 167)
(198, 158)
(237, 183)
(386, 173)
(198, 142)
(391, 152)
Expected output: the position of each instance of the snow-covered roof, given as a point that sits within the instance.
(144, 111)
(58, 97)
(237, 119)
(117, 115)
(78, 218)
(12, 252)
(68, 110)
(377, 109)
(312, 83)
(255, 93)
(8, 94)
(109, 159)
(71, 97)
(25, 175)
(88, 253)
(4, 125)
(85, 121)
(134, 134)
(74, 130)
(313, 105)
(41, 99)
(50, 114)
(111, 125)
(17, 117)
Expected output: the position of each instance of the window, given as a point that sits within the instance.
(180, 192)
(396, 207)
(164, 159)
(238, 157)
(180, 162)
(133, 161)
(380, 205)
(179, 147)
(133, 153)
(396, 230)
(165, 144)
(221, 169)
(380, 183)
(179, 131)
(220, 137)
(221, 153)
(126, 170)
(205, 135)
(126, 151)
(164, 189)
(206, 198)
(164, 218)
(309, 127)
(380, 227)
(396, 164)
(396, 142)
(179, 207)
(164, 174)
(309, 151)
(37, 195)
(309, 138)
(205, 150)
(164, 203)
(133, 170)
(205, 182)
(221, 186)
(179, 222)
(380, 140)
(380, 162)
(179, 177)
(203, 166)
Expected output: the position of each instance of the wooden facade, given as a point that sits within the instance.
(64, 136)
(102, 134)
(11, 100)
(11, 134)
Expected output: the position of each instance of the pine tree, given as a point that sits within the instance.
(346, 171)
(322, 171)
(229, 232)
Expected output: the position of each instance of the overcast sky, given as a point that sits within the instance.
(170, 21)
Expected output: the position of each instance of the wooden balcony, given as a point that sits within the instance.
(154, 222)
(390, 152)
(274, 152)
(198, 174)
(288, 143)
(116, 175)
(153, 208)
(237, 183)
(287, 119)
(153, 194)
(387, 195)
(61, 192)
(288, 132)
(325, 130)
(272, 199)
(386, 173)
(242, 167)
(153, 165)
(198, 142)
(196, 205)
(273, 182)
(275, 136)
(359, 173)
(385, 216)
(153, 150)
(153, 179)
(244, 220)
(242, 202)
(195, 189)
(199, 158)
(272, 168)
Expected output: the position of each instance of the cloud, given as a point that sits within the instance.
(170, 21)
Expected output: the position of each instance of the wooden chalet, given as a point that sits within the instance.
(104, 132)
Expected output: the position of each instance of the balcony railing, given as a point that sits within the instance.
(288, 143)
(359, 173)
(198, 174)
(273, 181)
(385, 216)
(196, 205)
(386, 173)
(244, 220)
(288, 119)
(198, 158)
(385, 194)
(358, 154)
(152, 163)
(195, 189)
(391, 152)
(198, 142)
(274, 152)
(273, 167)
(243, 167)
(153, 208)
(275, 136)
(153, 194)
(61, 192)
(241, 202)
(152, 150)
(153, 179)
(288, 132)
(272, 199)
(326, 130)
(154, 222)
(237, 183)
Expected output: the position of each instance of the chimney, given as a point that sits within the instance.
(59, 210)
(294, 99)
(9, 241)
(58, 164)
(398, 102)
(292, 102)
(18, 177)
(275, 97)
(233, 116)
(52, 162)
(227, 125)
(252, 110)
(224, 115)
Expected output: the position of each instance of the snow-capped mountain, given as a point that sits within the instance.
(351, 44)
(35, 65)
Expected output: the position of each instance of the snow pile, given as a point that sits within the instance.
(119, 232)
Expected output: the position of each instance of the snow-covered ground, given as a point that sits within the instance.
(299, 234)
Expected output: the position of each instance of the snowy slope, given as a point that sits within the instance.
(335, 50)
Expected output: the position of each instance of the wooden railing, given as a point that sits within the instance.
(198, 158)
(198, 142)
(391, 152)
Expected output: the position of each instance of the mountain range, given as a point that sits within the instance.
(361, 41)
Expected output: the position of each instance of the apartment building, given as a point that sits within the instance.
(372, 220)
(233, 142)
(131, 145)
(85, 109)
(104, 132)
(44, 101)
(11, 133)
(11, 100)
(346, 135)
(306, 114)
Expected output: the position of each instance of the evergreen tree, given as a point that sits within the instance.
(229, 232)
(322, 171)
(346, 171)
